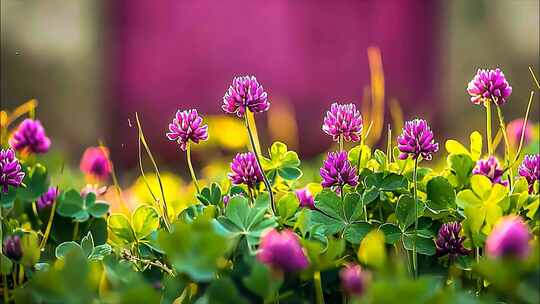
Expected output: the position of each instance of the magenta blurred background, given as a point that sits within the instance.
(92, 64)
(184, 54)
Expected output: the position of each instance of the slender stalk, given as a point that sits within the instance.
(359, 164)
(75, 231)
(516, 158)
(48, 228)
(487, 104)
(340, 140)
(265, 179)
(190, 165)
(4, 279)
(319, 298)
(415, 192)
(507, 152)
(478, 280)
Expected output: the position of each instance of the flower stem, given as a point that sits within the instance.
(319, 298)
(415, 192)
(340, 140)
(190, 165)
(265, 179)
(75, 231)
(507, 153)
(48, 228)
(487, 104)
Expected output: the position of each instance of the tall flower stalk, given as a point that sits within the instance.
(244, 95)
(416, 141)
(187, 127)
(265, 179)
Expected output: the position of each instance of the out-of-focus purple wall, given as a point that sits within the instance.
(183, 54)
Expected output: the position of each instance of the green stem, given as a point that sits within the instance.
(190, 165)
(48, 228)
(487, 104)
(319, 298)
(362, 140)
(340, 140)
(415, 180)
(478, 280)
(75, 231)
(4, 279)
(265, 179)
(507, 152)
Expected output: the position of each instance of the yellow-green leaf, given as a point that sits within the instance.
(372, 250)
(144, 221)
(476, 145)
(481, 186)
(121, 228)
(455, 147)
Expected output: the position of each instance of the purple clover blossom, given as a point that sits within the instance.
(343, 120)
(514, 130)
(11, 173)
(95, 162)
(491, 169)
(187, 125)
(282, 251)
(30, 135)
(47, 198)
(489, 85)
(417, 140)
(305, 198)
(245, 170)
(353, 280)
(337, 171)
(12, 247)
(530, 169)
(245, 92)
(509, 238)
(449, 242)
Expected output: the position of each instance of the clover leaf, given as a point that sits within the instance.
(71, 204)
(282, 163)
(36, 182)
(210, 195)
(344, 216)
(86, 246)
(143, 222)
(246, 223)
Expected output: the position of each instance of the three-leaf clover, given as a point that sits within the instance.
(282, 163)
(87, 247)
(71, 204)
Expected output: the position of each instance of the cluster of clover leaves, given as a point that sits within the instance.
(78, 252)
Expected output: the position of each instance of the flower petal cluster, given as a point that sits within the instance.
(305, 198)
(47, 198)
(509, 238)
(30, 135)
(245, 170)
(417, 140)
(449, 242)
(489, 85)
(245, 93)
(282, 251)
(353, 280)
(11, 173)
(530, 169)
(95, 162)
(343, 120)
(337, 171)
(187, 126)
(491, 169)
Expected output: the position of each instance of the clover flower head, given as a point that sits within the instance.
(489, 85)
(491, 169)
(30, 135)
(514, 130)
(12, 247)
(245, 170)
(282, 251)
(245, 93)
(47, 198)
(337, 171)
(417, 140)
(353, 280)
(305, 198)
(509, 238)
(95, 162)
(11, 173)
(343, 120)
(449, 242)
(530, 169)
(187, 126)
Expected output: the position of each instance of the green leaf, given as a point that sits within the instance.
(353, 206)
(355, 152)
(63, 249)
(70, 204)
(440, 194)
(460, 167)
(5, 265)
(290, 173)
(388, 182)
(194, 249)
(424, 246)
(392, 233)
(329, 203)
(87, 244)
(455, 147)
(370, 195)
(36, 184)
(481, 186)
(247, 222)
(144, 221)
(222, 291)
(30, 249)
(355, 233)
(100, 252)
(262, 282)
(121, 228)
(405, 211)
(99, 209)
(7, 199)
(287, 206)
